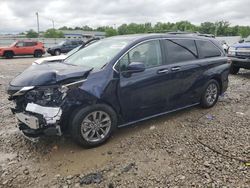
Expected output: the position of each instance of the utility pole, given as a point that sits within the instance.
(37, 20)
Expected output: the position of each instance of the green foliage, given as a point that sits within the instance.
(86, 28)
(31, 34)
(244, 31)
(207, 27)
(220, 28)
(110, 31)
(65, 28)
(53, 33)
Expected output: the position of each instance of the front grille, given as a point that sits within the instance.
(243, 52)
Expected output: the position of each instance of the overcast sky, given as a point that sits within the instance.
(19, 15)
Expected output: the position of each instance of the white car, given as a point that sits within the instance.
(56, 58)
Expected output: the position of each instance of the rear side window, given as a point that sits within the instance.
(30, 43)
(208, 49)
(74, 43)
(179, 50)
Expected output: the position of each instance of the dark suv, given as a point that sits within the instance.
(118, 81)
(64, 47)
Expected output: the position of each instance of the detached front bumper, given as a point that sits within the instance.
(37, 120)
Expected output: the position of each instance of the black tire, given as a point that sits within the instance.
(57, 52)
(38, 53)
(206, 101)
(83, 113)
(234, 70)
(8, 55)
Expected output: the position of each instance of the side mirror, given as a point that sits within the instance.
(241, 41)
(134, 67)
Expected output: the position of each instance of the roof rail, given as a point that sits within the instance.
(190, 33)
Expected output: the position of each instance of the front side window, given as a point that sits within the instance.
(207, 49)
(98, 54)
(148, 53)
(179, 50)
(20, 44)
(62, 43)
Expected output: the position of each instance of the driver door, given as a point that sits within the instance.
(143, 94)
(20, 48)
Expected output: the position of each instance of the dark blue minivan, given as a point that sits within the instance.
(118, 81)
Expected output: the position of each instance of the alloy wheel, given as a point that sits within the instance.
(95, 126)
(211, 93)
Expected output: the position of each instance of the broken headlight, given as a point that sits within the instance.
(51, 96)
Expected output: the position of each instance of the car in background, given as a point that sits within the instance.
(61, 57)
(118, 81)
(64, 47)
(239, 54)
(23, 47)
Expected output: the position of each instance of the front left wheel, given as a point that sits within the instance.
(93, 125)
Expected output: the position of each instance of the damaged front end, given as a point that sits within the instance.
(40, 95)
(47, 96)
(39, 109)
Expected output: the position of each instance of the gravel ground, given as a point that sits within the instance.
(189, 148)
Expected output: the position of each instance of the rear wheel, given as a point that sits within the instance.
(57, 52)
(38, 53)
(234, 70)
(92, 126)
(211, 94)
(8, 55)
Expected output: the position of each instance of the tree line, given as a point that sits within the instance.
(220, 28)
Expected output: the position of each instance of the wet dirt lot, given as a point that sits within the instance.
(190, 148)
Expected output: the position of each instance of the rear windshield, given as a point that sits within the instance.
(98, 54)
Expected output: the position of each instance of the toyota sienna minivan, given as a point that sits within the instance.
(118, 81)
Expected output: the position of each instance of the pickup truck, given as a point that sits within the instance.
(239, 54)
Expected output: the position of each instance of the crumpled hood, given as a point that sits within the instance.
(242, 45)
(48, 74)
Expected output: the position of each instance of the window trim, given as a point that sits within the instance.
(127, 51)
(167, 51)
(161, 51)
(163, 55)
(199, 50)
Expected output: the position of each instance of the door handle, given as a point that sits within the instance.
(176, 68)
(162, 71)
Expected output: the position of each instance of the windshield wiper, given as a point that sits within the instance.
(104, 65)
